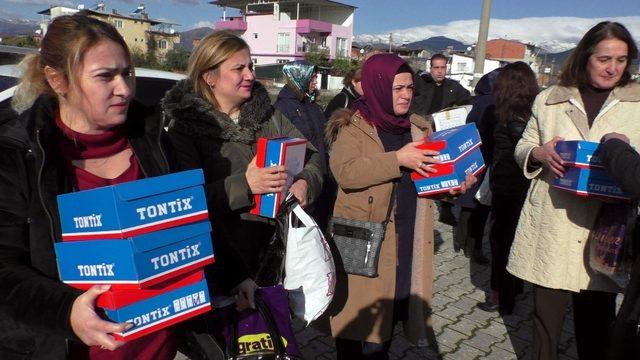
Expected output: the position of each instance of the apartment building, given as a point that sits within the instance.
(136, 27)
(279, 31)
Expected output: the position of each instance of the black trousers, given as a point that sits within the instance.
(361, 350)
(593, 316)
(470, 230)
(505, 212)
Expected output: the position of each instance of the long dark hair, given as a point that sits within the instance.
(514, 91)
(574, 72)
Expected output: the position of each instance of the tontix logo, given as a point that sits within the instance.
(257, 343)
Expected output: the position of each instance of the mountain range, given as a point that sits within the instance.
(17, 27)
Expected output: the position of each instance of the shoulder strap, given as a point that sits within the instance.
(388, 217)
(346, 101)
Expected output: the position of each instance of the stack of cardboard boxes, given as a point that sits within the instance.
(459, 153)
(584, 173)
(149, 239)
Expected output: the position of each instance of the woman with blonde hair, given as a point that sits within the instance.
(78, 129)
(214, 118)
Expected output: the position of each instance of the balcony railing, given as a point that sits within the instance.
(307, 26)
(233, 24)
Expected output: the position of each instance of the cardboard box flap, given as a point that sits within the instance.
(158, 185)
(158, 239)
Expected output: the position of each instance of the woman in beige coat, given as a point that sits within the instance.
(373, 149)
(595, 97)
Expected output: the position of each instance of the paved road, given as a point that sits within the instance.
(462, 330)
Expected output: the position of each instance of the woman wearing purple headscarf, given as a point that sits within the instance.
(374, 146)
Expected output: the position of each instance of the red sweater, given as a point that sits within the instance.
(159, 345)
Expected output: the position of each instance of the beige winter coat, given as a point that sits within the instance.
(550, 242)
(363, 307)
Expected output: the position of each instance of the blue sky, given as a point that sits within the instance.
(372, 16)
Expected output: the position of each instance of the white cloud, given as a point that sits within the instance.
(42, 2)
(551, 33)
(199, 24)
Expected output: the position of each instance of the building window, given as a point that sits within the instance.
(341, 47)
(282, 61)
(118, 24)
(283, 43)
(162, 44)
(255, 35)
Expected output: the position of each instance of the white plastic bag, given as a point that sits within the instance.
(309, 268)
(483, 195)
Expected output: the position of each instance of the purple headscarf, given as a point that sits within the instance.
(376, 105)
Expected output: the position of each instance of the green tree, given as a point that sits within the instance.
(176, 59)
(318, 57)
(139, 58)
(342, 66)
(152, 58)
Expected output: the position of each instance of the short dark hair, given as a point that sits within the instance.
(574, 72)
(436, 57)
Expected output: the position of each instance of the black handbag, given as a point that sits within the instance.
(358, 243)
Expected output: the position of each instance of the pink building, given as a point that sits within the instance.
(279, 31)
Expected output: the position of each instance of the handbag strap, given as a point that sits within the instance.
(388, 217)
(276, 338)
(279, 348)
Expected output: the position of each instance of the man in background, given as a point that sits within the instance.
(432, 93)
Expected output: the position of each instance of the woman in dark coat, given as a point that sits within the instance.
(297, 102)
(515, 90)
(78, 129)
(623, 164)
(214, 119)
(473, 215)
(351, 91)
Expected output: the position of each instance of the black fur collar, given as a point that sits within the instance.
(184, 110)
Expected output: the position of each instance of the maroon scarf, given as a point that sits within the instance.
(376, 105)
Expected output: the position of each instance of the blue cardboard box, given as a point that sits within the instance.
(590, 182)
(153, 309)
(456, 142)
(286, 151)
(579, 153)
(137, 262)
(133, 208)
(471, 163)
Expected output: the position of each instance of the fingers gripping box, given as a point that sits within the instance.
(455, 143)
(158, 307)
(286, 151)
(446, 180)
(137, 262)
(133, 208)
(584, 172)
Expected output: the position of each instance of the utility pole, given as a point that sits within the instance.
(390, 40)
(481, 47)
